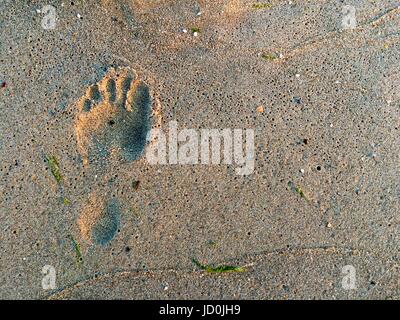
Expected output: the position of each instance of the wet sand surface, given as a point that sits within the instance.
(78, 194)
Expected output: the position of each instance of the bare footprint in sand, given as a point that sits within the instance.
(112, 125)
(114, 118)
(100, 219)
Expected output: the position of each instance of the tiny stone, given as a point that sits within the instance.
(297, 100)
(135, 184)
(260, 109)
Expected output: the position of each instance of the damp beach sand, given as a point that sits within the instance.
(84, 83)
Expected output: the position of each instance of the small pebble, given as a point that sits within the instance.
(260, 109)
(135, 184)
(195, 34)
(296, 100)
